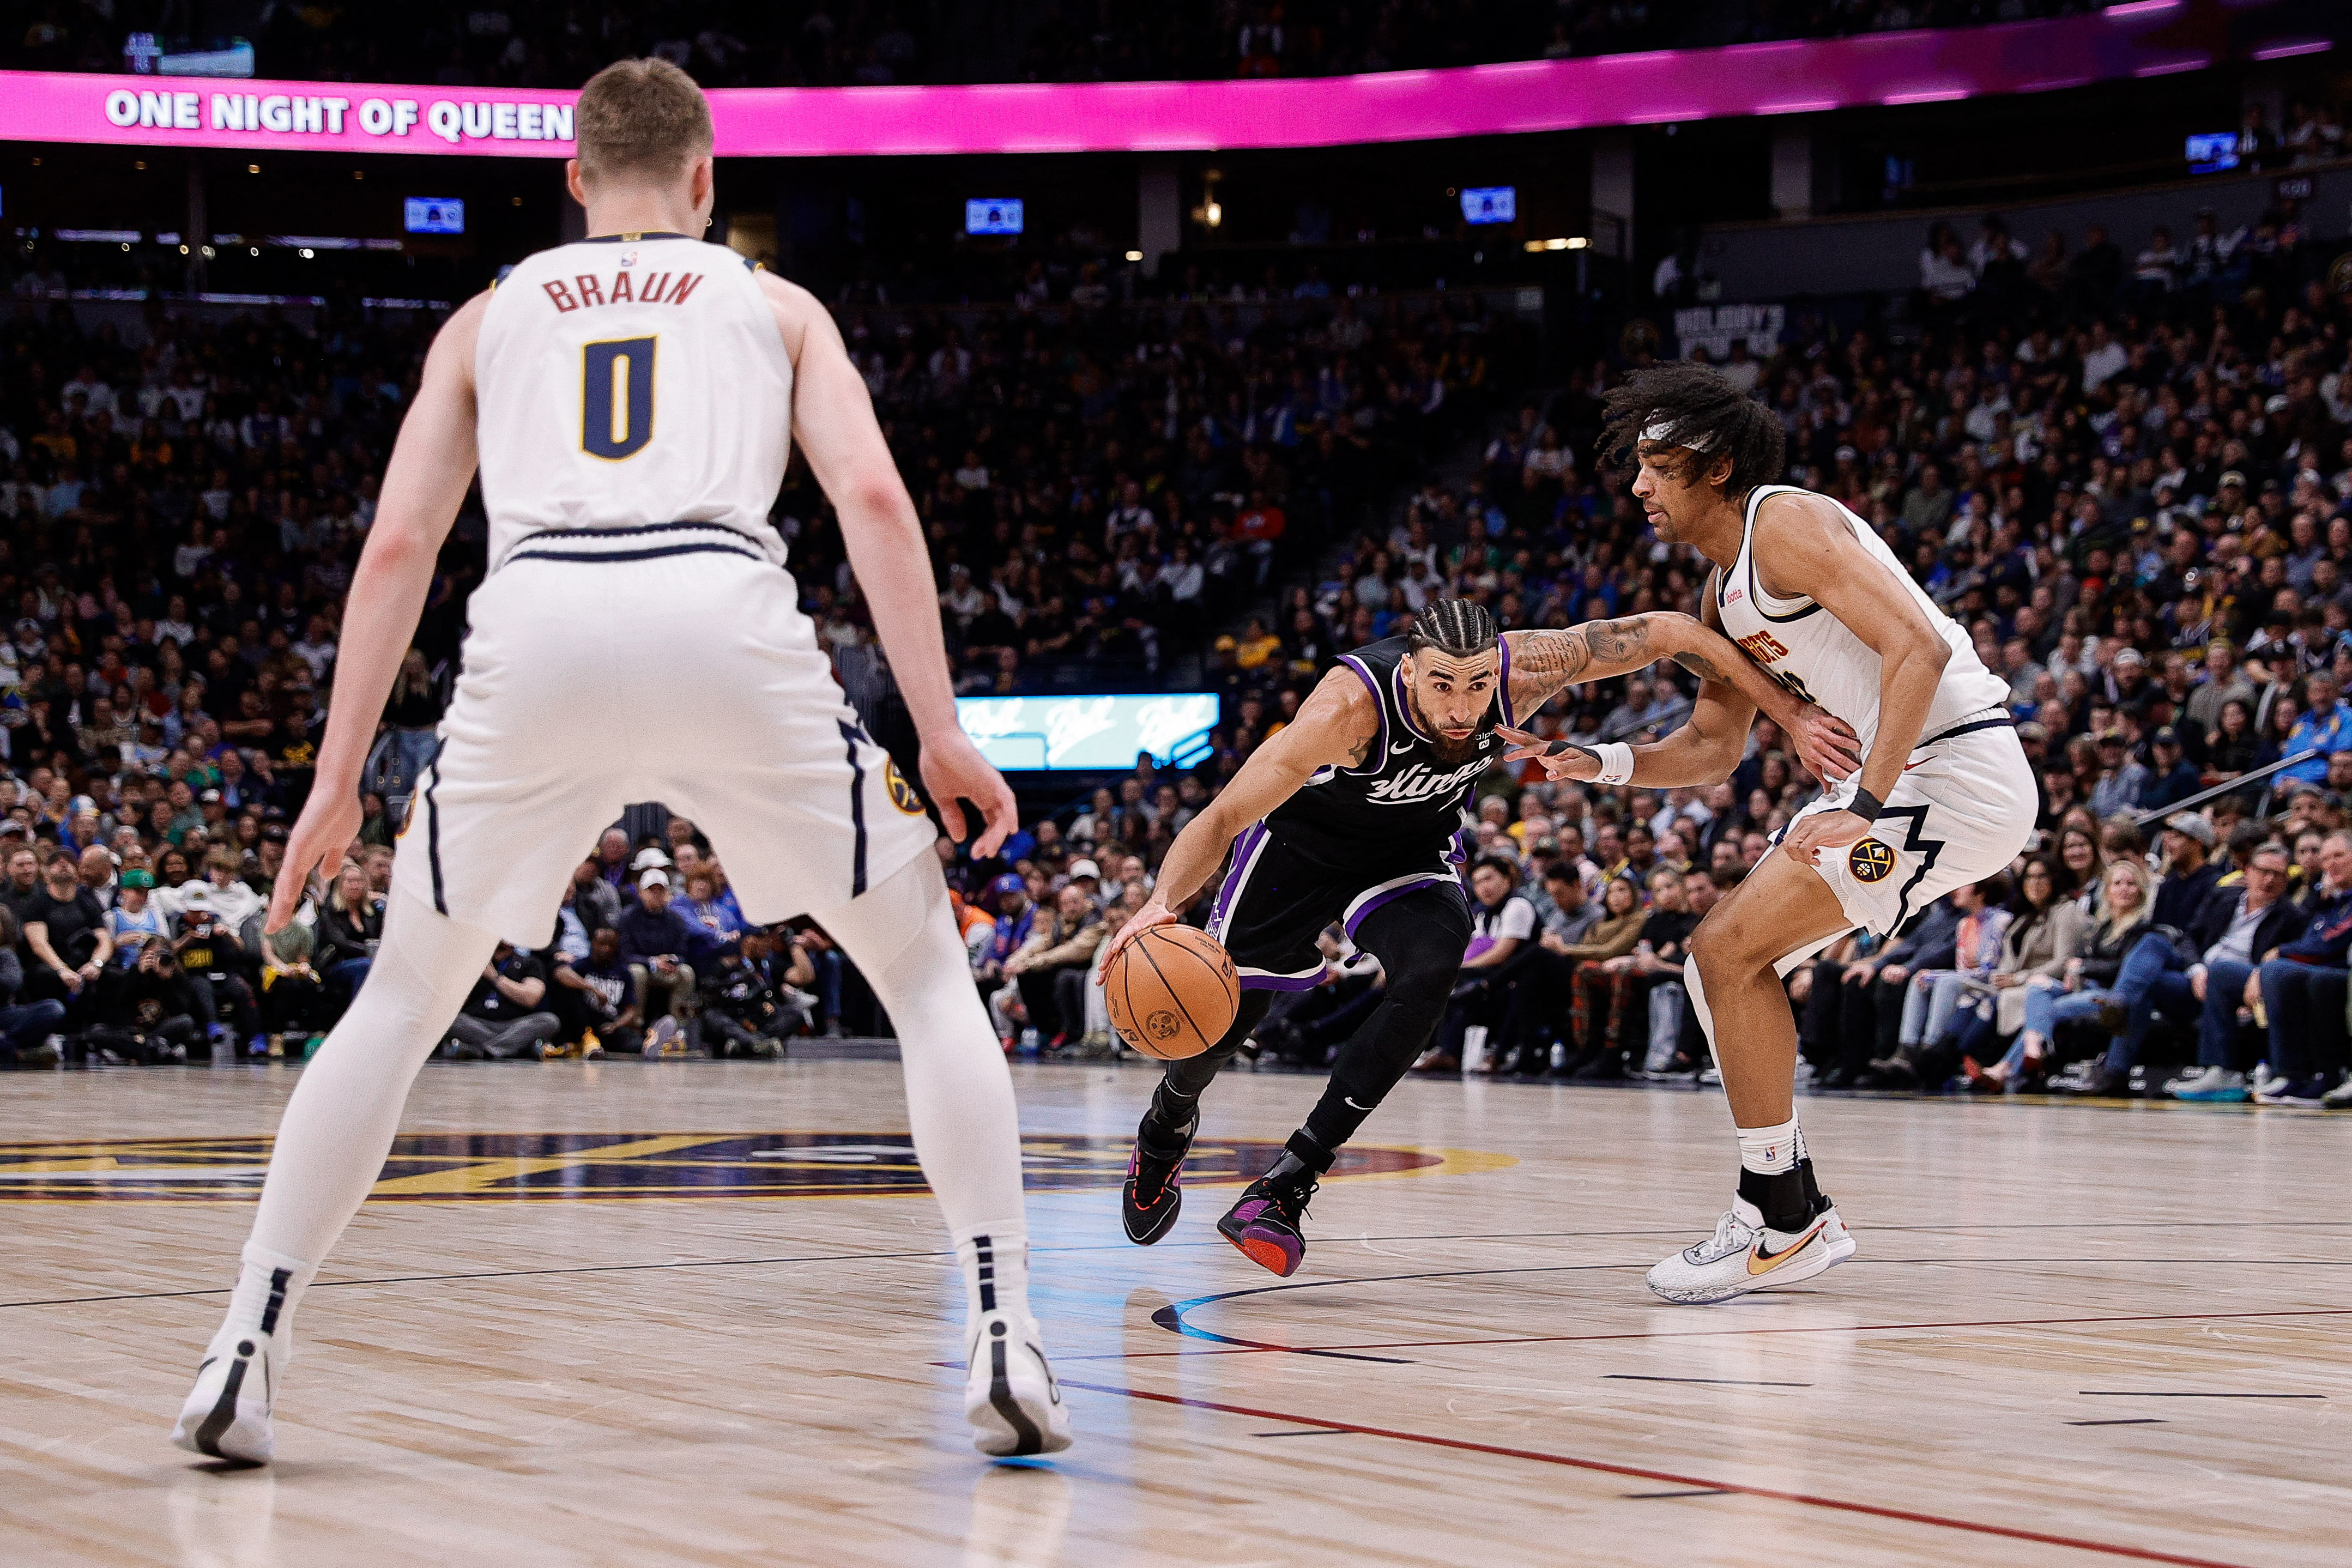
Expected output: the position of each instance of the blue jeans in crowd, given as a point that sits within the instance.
(2151, 959)
(2046, 1008)
(2306, 1005)
(29, 1025)
(344, 979)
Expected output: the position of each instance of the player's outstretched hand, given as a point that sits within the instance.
(323, 836)
(954, 771)
(1152, 914)
(1826, 745)
(1830, 831)
(1560, 759)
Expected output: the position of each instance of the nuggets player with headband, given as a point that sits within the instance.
(1352, 814)
(630, 400)
(1944, 796)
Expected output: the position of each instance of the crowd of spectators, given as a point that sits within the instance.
(2135, 499)
(842, 43)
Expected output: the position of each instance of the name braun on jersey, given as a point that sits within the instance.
(652, 288)
(1417, 783)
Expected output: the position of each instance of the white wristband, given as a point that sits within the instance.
(1616, 762)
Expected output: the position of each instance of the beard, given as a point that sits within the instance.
(1453, 753)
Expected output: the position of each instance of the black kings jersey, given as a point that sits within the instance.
(1405, 803)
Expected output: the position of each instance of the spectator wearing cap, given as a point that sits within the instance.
(595, 901)
(2326, 727)
(1015, 919)
(654, 942)
(2120, 778)
(2171, 778)
(1087, 876)
(652, 858)
(2189, 870)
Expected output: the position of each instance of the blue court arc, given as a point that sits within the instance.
(605, 1167)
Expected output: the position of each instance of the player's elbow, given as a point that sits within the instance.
(871, 497)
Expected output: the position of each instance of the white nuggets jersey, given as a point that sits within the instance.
(1817, 657)
(590, 351)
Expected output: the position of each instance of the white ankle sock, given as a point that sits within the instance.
(1770, 1150)
(995, 1260)
(269, 1286)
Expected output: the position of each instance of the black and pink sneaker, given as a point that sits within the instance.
(1154, 1191)
(1264, 1223)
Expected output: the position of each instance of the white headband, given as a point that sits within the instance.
(1662, 432)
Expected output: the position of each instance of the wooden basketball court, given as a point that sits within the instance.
(613, 1313)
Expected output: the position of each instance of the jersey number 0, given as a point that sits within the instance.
(616, 397)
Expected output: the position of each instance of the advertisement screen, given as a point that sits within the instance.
(1041, 734)
(992, 216)
(1490, 205)
(434, 215)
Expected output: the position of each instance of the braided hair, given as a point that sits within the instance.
(1691, 405)
(1460, 628)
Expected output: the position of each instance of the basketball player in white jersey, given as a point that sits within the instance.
(630, 400)
(1944, 797)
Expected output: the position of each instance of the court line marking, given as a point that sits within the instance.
(1171, 1317)
(1722, 1381)
(1692, 1491)
(2136, 1394)
(1696, 1483)
(2127, 1421)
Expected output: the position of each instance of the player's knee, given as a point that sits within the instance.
(1722, 948)
(1423, 977)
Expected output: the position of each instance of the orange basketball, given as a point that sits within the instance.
(1172, 992)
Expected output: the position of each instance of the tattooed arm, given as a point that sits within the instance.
(1732, 686)
(1544, 663)
(1336, 727)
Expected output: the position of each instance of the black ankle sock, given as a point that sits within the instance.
(1816, 1201)
(1303, 1158)
(1780, 1197)
(1171, 1113)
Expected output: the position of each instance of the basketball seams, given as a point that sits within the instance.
(1161, 975)
(1192, 950)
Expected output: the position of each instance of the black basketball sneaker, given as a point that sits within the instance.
(1154, 1191)
(1264, 1223)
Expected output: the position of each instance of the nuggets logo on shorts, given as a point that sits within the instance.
(902, 794)
(1869, 860)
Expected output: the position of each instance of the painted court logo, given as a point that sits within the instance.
(508, 1167)
(1869, 860)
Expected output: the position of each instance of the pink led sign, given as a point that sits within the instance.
(2150, 38)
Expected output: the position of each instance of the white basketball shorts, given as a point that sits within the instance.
(1962, 812)
(671, 664)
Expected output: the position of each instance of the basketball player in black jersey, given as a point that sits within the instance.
(1352, 813)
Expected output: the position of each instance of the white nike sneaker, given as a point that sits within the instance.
(227, 1415)
(1745, 1254)
(1009, 1393)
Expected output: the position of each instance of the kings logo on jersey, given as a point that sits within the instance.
(1417, 783)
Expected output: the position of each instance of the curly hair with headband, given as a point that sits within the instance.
(1689, 405)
